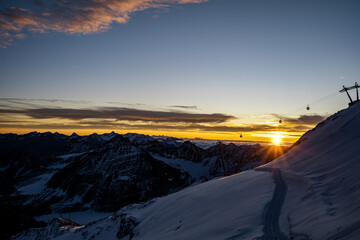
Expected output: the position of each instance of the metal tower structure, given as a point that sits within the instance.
(346, 89)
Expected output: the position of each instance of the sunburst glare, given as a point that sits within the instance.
(276, 139)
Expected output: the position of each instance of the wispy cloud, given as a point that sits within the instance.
(73, 16)
(21, 103)
(185, 107)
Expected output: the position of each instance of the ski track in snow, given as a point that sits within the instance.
(271, 222)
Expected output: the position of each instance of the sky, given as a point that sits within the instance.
(210, 69)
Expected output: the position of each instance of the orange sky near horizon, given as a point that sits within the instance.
(287, 137)
(22, 116)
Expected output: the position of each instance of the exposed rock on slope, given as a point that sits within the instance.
(117, 175)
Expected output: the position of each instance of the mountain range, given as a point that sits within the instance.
(44, 175)
(310, 192)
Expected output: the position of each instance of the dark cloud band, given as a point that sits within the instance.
(302, 119)
(123, 114)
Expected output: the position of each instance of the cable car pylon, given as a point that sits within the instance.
(346, 89)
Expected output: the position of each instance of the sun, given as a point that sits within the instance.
(276, 139)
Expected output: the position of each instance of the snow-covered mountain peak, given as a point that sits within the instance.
(139, 139)
(108, 136)
(74, 135)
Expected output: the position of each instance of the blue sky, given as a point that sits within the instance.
(240, 58)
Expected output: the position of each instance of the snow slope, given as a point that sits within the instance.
(37, 186)
(196, 170)
(218, 209)
(322, 173)
(322, 197)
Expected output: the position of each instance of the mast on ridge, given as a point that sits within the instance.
(345, 89)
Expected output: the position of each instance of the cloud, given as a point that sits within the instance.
(122, 114)
(185, 107)
(20, 36)
(73, 16)
(106, 124)
(247, 128)
(303, 119)
(21, 103)
(311, 119)
(64, 114)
